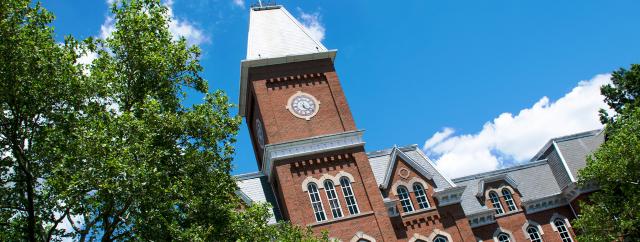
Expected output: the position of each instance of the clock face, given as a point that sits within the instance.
(259, 133)
(303, 105)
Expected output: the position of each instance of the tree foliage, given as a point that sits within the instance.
(613, 213)
(41, 90)
(111, 148)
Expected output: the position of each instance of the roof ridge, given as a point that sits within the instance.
(500, 171)
(577, 135)
(387, 151)
(247, 176)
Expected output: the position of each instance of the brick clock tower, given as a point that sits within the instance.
(303, 134)
(315, 172)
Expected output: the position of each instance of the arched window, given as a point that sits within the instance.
(440, 238)
(562, 230)
(405, 201)
(509, 199)
(421, 195)
(333, 199)
(534, 234)
(495, 202)
(503, 237)
(352, 205)
(316, 203)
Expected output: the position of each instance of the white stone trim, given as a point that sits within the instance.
(306, 181)
(289, 105)
(362, 235)
(481, 218)
(542, 204)
(502, 230)
(309, 146)
(417, 237)
(409, 185)
(529, 223)
(564, 162)
(344, 173)
(448, 196)
(326, 176)
(437, 232)
(556, 216)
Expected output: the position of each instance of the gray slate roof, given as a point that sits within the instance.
(381, 159)
(575, 148)
(255, 187)
(532, 181)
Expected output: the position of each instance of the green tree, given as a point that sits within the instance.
(111, 148)
(31, 63)
(612, 213)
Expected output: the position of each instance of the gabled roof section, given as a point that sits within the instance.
(501, 177)
(534, 180)
(254, 187)
(273, 32)
(383, 162)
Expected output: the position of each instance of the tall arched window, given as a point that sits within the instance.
(405, 201)
(534, 234)
(562, 230)
(509, 199)
(352, 204)
(316, 203)
(503, 237)
(495, 202)
(336, 210)
(421, 195)
(440, 238)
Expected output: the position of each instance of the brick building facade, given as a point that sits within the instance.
(315, 171)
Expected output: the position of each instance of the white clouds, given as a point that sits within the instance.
(311, 21)
(184, 28)
(239, 3)
(177, 27)
(107, 28)
(516, 138)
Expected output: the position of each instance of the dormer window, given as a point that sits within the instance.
(421, 195)
(405, 201)
(509, 200)
(495, 202)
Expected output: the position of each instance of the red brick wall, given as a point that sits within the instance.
(272, 86)
(372, 218)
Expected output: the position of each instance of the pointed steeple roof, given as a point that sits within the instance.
(276, 37)
(273, 32)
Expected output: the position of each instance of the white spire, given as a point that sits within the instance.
(273, 33)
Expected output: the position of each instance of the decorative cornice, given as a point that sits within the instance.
(309, 146)
(448, 196)
(481, 218)
(544, 203)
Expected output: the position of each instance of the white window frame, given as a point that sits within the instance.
(349, 196)
(421, 195)
(405, 199)
(332, 197)
(536, 234)
(562, 229)
(316, 202)
(495, 202)
(508, 199)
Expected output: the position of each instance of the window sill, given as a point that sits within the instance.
(416, 212)
(339, 219)
(507, 214)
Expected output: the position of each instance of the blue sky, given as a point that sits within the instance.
(478, 85)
